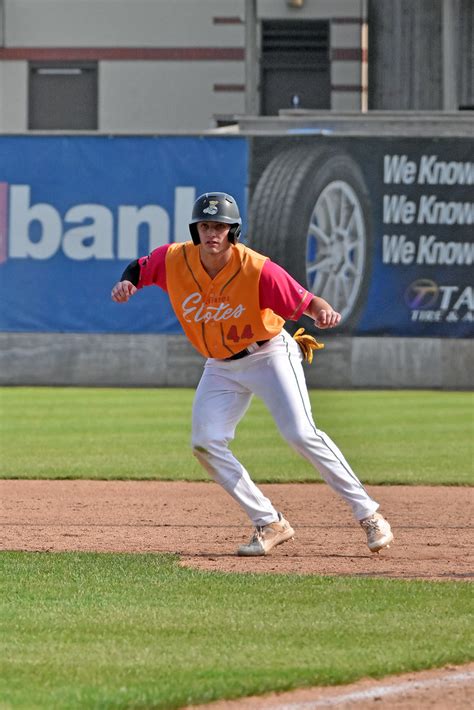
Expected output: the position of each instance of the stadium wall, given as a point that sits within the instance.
(45, 359)
(67, 231)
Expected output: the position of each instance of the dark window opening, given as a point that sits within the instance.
(62, 95)
(295, 65)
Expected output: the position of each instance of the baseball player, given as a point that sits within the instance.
(232, 303)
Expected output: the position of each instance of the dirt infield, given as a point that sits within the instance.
(199, 522)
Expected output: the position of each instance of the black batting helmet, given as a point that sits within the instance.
(216, 207)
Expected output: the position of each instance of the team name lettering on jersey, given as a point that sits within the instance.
(194, 309)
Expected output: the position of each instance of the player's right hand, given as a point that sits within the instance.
(122, 291)
(327, 318)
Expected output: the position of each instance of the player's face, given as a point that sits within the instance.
(214, 237)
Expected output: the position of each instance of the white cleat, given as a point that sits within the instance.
(266, 537)
(379, 532)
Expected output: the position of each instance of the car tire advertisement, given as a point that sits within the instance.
(382, 228)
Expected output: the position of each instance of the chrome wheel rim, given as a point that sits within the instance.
(336, 246)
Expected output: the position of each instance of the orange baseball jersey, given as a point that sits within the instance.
(220, 316)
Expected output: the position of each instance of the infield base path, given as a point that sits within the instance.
(199, 522)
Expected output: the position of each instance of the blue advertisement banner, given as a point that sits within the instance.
(75, 210)
(381, 227)
(422, 265)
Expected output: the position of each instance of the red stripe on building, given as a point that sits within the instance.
(186, 54)
(353, 54)
(227, 20)
(356, 88)
(229, 87)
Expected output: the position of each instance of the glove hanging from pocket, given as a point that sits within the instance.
(307, 344)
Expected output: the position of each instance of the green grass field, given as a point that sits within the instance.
(82, 630)
(388, 436)
(137, 631)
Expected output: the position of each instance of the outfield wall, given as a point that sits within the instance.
(170, 361)
(361, 209)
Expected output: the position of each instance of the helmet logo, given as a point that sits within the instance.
(212, 209)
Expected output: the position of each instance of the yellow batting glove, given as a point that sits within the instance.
(307, 344)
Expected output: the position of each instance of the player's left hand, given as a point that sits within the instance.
(327, 318)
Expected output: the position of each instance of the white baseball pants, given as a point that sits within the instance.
(275, 374)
